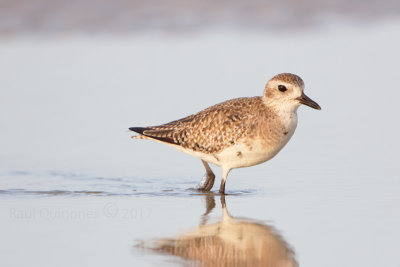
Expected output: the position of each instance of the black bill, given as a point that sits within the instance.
(303, 99)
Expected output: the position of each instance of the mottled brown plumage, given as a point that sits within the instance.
(240, 132)
(219, 126)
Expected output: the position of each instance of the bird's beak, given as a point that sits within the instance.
(303, 99)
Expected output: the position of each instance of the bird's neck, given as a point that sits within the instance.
(281, 117)
(285, 115)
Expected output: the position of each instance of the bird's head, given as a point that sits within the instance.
(286, 91)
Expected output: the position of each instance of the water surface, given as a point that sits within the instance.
(76, 190)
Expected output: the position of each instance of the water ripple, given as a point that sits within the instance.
(55, 183)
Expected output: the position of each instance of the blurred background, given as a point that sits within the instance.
(75, 75)
(122, 17)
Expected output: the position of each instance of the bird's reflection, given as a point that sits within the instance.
(229, 242)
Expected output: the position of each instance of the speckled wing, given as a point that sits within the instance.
(209, 130)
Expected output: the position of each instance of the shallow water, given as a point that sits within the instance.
(76, 190)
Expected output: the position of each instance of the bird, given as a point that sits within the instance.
(236, 133)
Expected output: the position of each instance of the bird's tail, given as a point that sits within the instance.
(155, 133)
(140, 131)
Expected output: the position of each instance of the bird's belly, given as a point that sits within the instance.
(249, 154)
(245, 153)
(239, 155)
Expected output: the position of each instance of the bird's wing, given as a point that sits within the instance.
(208, 130)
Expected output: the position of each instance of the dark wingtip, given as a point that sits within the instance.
(141, 130)
(138, 130)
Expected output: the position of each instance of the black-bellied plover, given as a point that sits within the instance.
(237, 133)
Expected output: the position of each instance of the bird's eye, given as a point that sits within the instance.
(282, 88)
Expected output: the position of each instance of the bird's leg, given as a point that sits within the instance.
(223, 180)
(210, 177)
